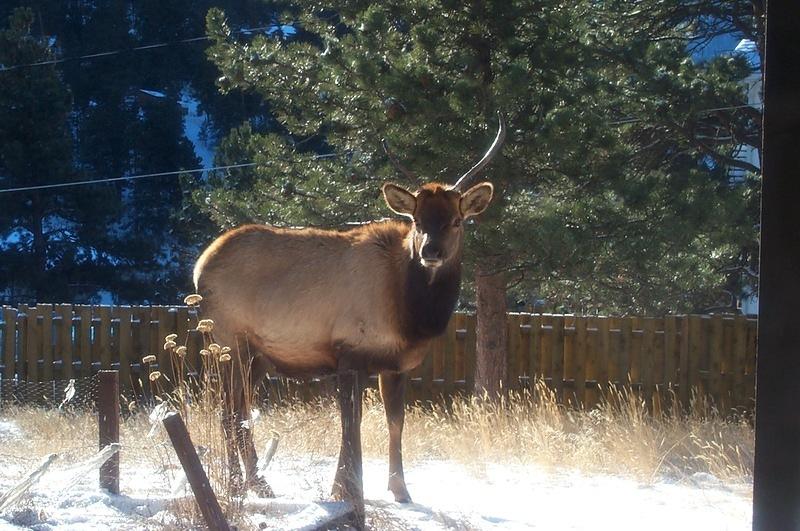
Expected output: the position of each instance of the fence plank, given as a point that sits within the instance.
(671, 359)
(64, 348)
(727, 364)
(10, 343)
(546, 348)
(46, 313)
(534, 350)
(750, 375)
(470, 344)
(558, 356)
(579, 361)
(513, 323)
(449, 341)
(715, 357)
(696, 352)
(626, 351)
(592, 362)
(22, 335)
(34, 345)
(647, 359)
(684, 386)
(739, 348)
(84, 314)
(125, 346)
(603, 350)
(461, 333)
(104, 337)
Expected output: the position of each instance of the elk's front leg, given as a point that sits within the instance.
(348, 483)
(392, 386)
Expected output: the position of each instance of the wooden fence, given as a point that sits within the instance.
(578, 357)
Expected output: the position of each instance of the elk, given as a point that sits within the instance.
(367, 300)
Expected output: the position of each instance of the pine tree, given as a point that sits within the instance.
(42, 231)
(613, 192)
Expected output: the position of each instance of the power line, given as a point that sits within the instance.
(4, 68)
(126, 178)
(149, 175)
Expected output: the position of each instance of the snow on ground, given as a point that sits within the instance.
(485, 496)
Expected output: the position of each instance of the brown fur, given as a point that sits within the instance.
(318, 301)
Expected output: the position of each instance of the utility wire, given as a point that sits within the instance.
(127, 178)
(4, 68)
(149, 175)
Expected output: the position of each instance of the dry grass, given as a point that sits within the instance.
(618, 437)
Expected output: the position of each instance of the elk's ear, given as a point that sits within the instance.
(399, 199)
(476, 199)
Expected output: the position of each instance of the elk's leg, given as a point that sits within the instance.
(258, 369)
(393, 386)
(348, 484)
(230, 424)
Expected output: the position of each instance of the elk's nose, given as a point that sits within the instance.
(431, 256)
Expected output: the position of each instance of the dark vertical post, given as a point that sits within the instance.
(108, 426)
(198, 480)
(776, 490)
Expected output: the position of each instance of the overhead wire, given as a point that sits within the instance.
(69, 184)
(143, 47)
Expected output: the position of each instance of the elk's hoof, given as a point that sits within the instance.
(260, 487)
(398, 488)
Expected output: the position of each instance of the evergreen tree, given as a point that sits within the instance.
(126, 116)
(44, 232)
(612, 192)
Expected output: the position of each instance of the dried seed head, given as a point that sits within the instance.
(225, 350)
(205, 325)
(192, 299)
(171, 337)
(149, 359)
(205, 352)
(214, 348)
(169, 345)
(225, 357)
(180, 351)
(155, 375)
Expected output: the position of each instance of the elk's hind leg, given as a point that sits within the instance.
(392, 386)
(348, 483)
(259, 367)
(239, 377)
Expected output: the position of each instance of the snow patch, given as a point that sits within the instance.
(195, 128)
(9, 430)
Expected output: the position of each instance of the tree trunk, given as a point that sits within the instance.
(491, 369)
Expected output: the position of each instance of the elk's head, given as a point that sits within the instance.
(438, 211)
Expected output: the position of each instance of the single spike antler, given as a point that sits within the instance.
(465, 179)
(398, 166)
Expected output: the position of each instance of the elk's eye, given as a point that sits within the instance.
(457, 222)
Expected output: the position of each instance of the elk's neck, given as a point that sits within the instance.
(430, 299)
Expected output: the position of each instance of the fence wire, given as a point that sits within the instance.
(73, 393)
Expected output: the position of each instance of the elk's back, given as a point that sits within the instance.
(303, 296)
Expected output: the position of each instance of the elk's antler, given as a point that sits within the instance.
(465, 179)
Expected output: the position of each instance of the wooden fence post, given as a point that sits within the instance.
(198, 480)
(108, 426)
